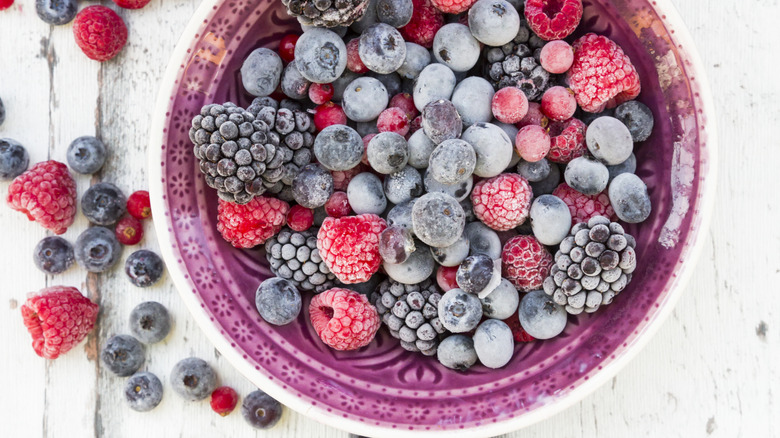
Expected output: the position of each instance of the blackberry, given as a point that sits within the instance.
(411, 313)
(244, 153)
(294, 256)
(594, 263)
(326, 13)
(516, 64)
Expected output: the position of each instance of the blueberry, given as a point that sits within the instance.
(366, 194)
(420, 148)
(260, 410)
(396, 13)
(320, 55)
(387, 152)
(638, 119)
(416, 269)
(435, 82)
(382, 48)
(143, 391)
(609, 140)
(550, 220)
(86, 155)
(340, 84)
(338, 147)
(150, 322)
(483, 240)
(396, 244)
(401, 214)
(103, 204)
(459, 191)
(144, 268)
(493, 148)
(452, 161)
(472, 98)
(628, 166)
(494, 343)
(278, 301)
(455, 47)
(540, 316)
(475, 273)
(548, 184)
(13, 159)
(441, 121)
(502, 302)
(366, 128)
(391, 81)
(403, 185)
(293, 84)
(459, 311)
(261, 71)
(494, 22)
(628, 196)
(56, 12)
(417, 58)
(452, 255)
(364, 99)
(53, 255)
(312, 186)
(534, 171)
(586, 175)
(2, 109)
(193, 379)
(123, 355)
(97, 249)
(438, 219)
(457, 352)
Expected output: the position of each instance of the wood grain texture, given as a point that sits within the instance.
(710, 371)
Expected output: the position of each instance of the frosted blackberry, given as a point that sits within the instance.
(382, 48)
(438, 219)
(411, 313)
(294, 256)
(326, 13)
(312, 186)
(515, 65)
(593, 264)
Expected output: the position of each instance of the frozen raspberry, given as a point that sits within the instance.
(601, 76)
(132, 4)
(5, 4)
(405, 101)
(329, 114)
(344, 319)
(502, 202)
(532, 143)
(320, 93)
(46, 194)
(393, 120)
(250, 224)
(341, 178)
(139, 206)
(534, 116)
(584, 207)
(567, 140)
(350, 246)
(558, 103)
(58, 318)
(426, 21)
(300, 218)
(99, 32)
(553, 19)
(129, 231)
(223, 400)
(509, 105)
(556, 57)
(518, 333)
(453, 6)
(338, 205)
(526, 263)
(287, 47)
(354, 63)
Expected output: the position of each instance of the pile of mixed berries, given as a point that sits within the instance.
(454, 170)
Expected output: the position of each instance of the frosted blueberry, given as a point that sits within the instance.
(391, 81)
(637, 117)
(396, 13)
(403, 185)
(312, 186)
(278, 301)
(435, 82)
(86, 155)
(293, 84)
(437, 219)
(492, 146)
(193, 379)
(441, 121)
(494, 22)
(123, 355)
(628, 166)
(340, 84)
(455, 47)
(452, 161)
(547, 185)
(418, 267)
(452, 255)
(368, 19)
(401, 214)
(609, 141)
(366, 195)
(459, 191)
(382, 48)
(261, 72)
(540, 316)
(494, 343)
(459, 311)
(534, 171)
(396, 244)
(417, 58)
(420, 148)
(628, 196)
(143, 391)
(364, 99)
(550, 219)
(586, 175)
(387, 152)
(472, 98)
(475, 273)
(457, 352)
(14, 159)
(502, 302)
(366, 128)
(483, 240)
(338, 147)
(320, 55)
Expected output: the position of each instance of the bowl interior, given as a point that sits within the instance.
(382, 385)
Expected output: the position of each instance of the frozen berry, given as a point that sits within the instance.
(5, 4)
(453, 161)
(131, 4)
(472, 98)
(435, 82)
(540, 316)
(287, 47)
(609, 140)
(425, 22)
(144, 268)
(354, 63)
(441, 121)
(103, 204)
(556, 56)
(567, 140)
(193, 379)
(393, 120)
(261, 72)
(459, 191)
(628, 166)
(457, 352)
(56, 12)
(143, 391)
(558, 103)
(534, 116)
(549, 183)
(320, 93)
(494, 343)
(401, 214)
(382, 48)
(493, 22)
(553, 19)
(482, 240)
(123, 355)
(446, 277)
(364, 99)
(509, 105)
(403, 185)
(100, 32)
(292, 83)
(492, 146)
(534, 172)
(638, 119)
(396, 13)
(586, 175)
(260, 410)
(46, 193)
(391, 81)
(138, 205)
(313, 186)
(452, 255)
(476, 274)
(628, 196)
(97, 249)
(338, 147)
(344, 320)
(150, 322)
(502, 302)
(320, 55)
(53, 255)
(223, 400)
(584, 207)
(300, 218)
(396, 244)
(405, 102)
(416, 269)
(455, 47)
(525, 262)
(532, 143)
(502, 202)
(459, 311)
(329, 114)
(417, 58)
(251, 224)
(438, 219)
(387, 152)
(550, 219)
(86, 155)
(13, 158)
(350, 246)
(366, 194)
(278, 301)
(129, 231)
(338, 205)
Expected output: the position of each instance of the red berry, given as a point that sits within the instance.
(567, 140)
(5, 4)
(338, 205)
(553, 19)
(556, 56)
(344, 319)
(99, 32)
(46, 194)
(223, 400)
(415, 125)
(405, 101)
(350, 246)
(138, 205)
(558, 103)
(129, 230)
(453, 6)
(287, 47)
(518, 332)
(341, 178)
(366, 141)
(329, 114)
(58, 318)
(320, 93)
(249, 225)
(532, 143)
(132, 4)
(300, 218)
(526, 263)
(393, 120)
(502, 202)
(426, 21)
(509, 105)
(534, 116)
(354, 63)
(583, 207)
(601, 76)
(445, 277)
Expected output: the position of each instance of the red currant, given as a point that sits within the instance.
(338, 205)
(445, 277)
(300, 218)
(138, 205)
(223, 400)
(129, 230)
(329, 114)
(287, 47)
(406, 103)
(354, 63)
(320, 93)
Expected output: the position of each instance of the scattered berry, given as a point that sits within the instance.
(144, 268)
(556, 56)
(338, 147)
(553, 19)
(638, 119)
(628, 196)
(143, 391)
(329, 114)
(13, 157)
(457, 352)
(502, 202)
(56, 12)
(103, 204)
(455, 46)
(123, 355)
(364, 98)
(260, 410)
(249, 225)
(438, 219)
(584, 207)
(86, 155)
(223, 400)
(150, 322)
(287, 47)
(532, 143)
(139, 206)
(278, 301)
(494, 343)
(425, 22)
(261, 72)
(320, 55)
(509, 105)
(46, 194)
(609, 140)
(558, 103)
(100, 32)
(320, 93)
(459, 311)
(525, 262)
(540, 316)
(97, 249)
(393, 120)
(193, 379)
(567, 140)
(53, 255)
(405, 102)
(129, 231)
(338, 205)
(350, 246)
(344, 319)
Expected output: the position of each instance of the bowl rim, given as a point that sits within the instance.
(610, 367)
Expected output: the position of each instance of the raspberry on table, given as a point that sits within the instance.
(502, 202)
(509, 105)
(300, 218)
(132, 4)
(553, 19)
(46, 194)
(287, 47)
(139, 205)
(584, 207)
(567, 140)
(5, 4)
(426, 21)
(58, 318)
(602, 75)
(223, 400)
(526, 263)
(350, 246)
(344, 319)
(100, 32)
(129, 230)
(250, 224)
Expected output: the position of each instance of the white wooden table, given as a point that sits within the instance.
(710, 371)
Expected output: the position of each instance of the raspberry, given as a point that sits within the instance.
(300, 218)
(406, 103)
(58, 318)
(139, 206)
(99, 32)
(329, 114)
(338, 205)
(426, 21)
(601, 76)
(556, 57)
(518, 333)
(46, 194)
(393, 120)
(250, 224)
(558, 103)
(344, 319)
(567, 140)
(526, 263)
(509, 105)
(354, 63)
(350, 246)
(223, 400)
(532, 143)
(132, 4)
(320, 93)
(287, 47)
(129, 231)
(553, 19)
(453, 6)
(502, 202)
(584, 207)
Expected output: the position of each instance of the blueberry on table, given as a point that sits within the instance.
(150, 322)
(144, 268)
(86, 155)
(56, 12)
(193, 379)
(143, 391)
(123, 355)
(97, 249)
(103, 204)
(2, 112)
(13, 157)
(53, 255)
(260, 410)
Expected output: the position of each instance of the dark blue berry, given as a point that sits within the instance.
(86, 155)
(586, 175)
(278, 301)
(193, 379)
(2, 112)
(396, 13)
(293, 84)
(123, 355)
(455, 47)
(261, 71)
(382, 48)
(13, 159)
(540, 316)
(150, 322)
(313, 186)
(475, 273)
(387, 152)
(638, 119)
(338, 147)
(457, 352)
(143, 391)
(97, 249)
(56, 12)
(103, 204)
(441, 121)
(260, 410)
(364, 99)
(53, 255)
(144, 268)
(629, 197)
(459, 312)
(320, 55)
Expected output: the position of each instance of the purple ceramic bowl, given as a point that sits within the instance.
(382, 390)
